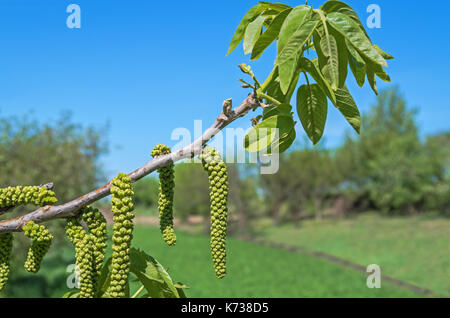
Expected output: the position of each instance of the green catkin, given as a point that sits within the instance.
(218, 181)
(122, 208)
(6, 242)
(165, 198)
(96, 223)
(41, 239)
(15, 196)
(84, 255)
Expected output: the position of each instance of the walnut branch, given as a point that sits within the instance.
(71, 208)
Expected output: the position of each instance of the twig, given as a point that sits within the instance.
(71, 208)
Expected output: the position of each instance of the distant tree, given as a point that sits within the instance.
(245, 202)
(35, 153)
(306, 179)
(146, 193)
(192, 196)
(438, 150)
(61, 152)
(388, 166)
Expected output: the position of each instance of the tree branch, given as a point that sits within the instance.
(71, 208)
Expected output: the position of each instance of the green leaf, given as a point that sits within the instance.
(288, 58)
(339, 6)
(239, 34)
(253, 33)
(295, 19)
(72, 294)
(383, 53)
(313, 70)
(180, 288)
(283, 109)
(165, 276)
(347, 106)
(152, 275)
(273, 88)
(357, 64)
(268, 132)
(287, 72)
(329, 48)
(312, 110)
(372, 79)
(294, 22)
(378, 70)
(322, 59)
(271, 34)
(353, 33)
(342, 57)
(283, 144)
(275, 5)
(296, 42)
(105, 278)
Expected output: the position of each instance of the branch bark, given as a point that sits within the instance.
(71, 208)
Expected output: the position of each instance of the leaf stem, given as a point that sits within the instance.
(136, 294)
(269, 79)
(273, 100)
(307, 80)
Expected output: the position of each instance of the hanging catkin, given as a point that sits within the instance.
(165, 197)
(122, 208)
(96, 223)
(84, 256)
(218, 180)
(6, 243)
(41, 239)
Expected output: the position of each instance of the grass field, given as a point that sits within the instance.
(413, 249)
(256, 271)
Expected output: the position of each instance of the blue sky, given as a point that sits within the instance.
(148, 67)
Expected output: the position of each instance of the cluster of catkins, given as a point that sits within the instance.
(165, 197)
(218, 181)
(83, 254)
(15, 196)
(96, 223)
(6, 243)
(122, 208)
(90, 248)
(41, 239)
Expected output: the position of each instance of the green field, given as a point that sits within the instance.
(256, 271)
(413, 249)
